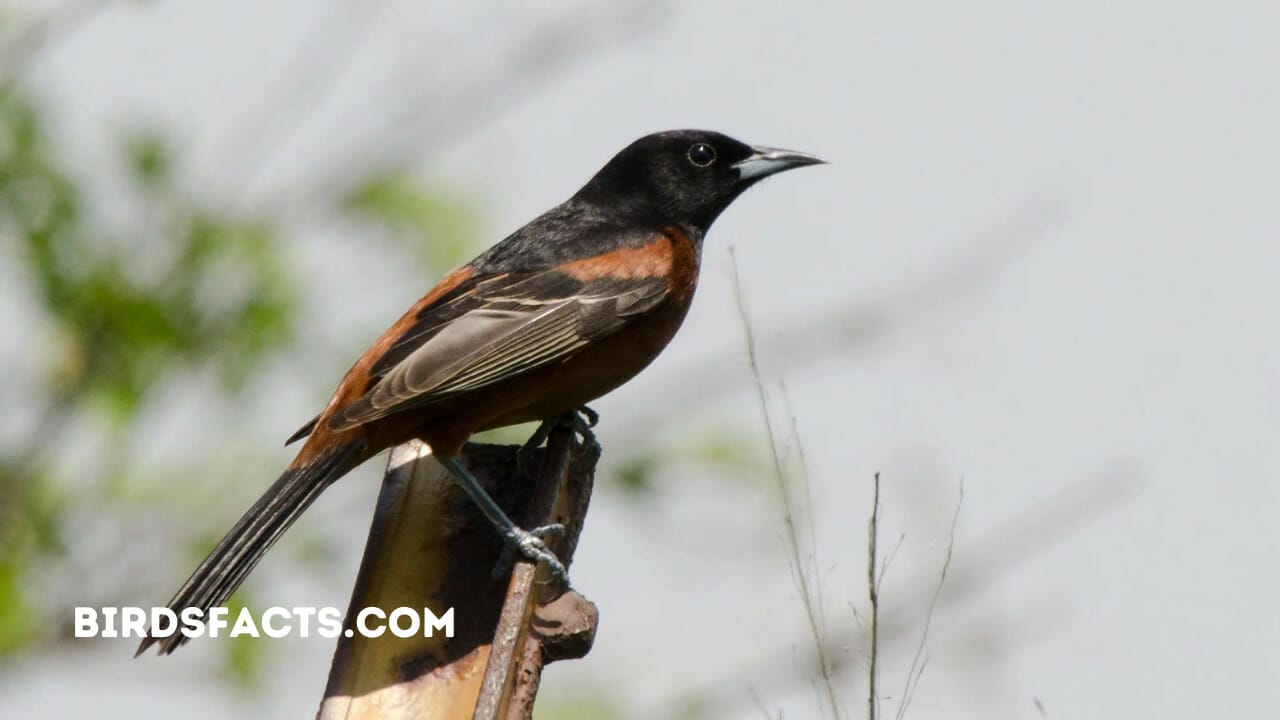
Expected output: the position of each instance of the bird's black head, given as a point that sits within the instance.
(685, 177)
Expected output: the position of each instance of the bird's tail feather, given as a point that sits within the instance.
(257, 530)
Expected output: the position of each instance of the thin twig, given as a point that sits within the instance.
(873, 594)
(803, 460)
(755, 698)
(812, 604)
(884, 566)
(995, 554)
(919, 661)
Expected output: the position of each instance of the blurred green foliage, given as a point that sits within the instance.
(715, 448)
(168, 288)
(189, 290)
(211, 292)
(17, 621)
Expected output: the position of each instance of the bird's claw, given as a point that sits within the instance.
(589, 416)
(580, 421)
(532, 546)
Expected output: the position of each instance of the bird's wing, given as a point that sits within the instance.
(503, 326)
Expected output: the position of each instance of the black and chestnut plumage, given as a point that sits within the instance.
(564, 310)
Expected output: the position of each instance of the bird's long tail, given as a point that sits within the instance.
(257, 530)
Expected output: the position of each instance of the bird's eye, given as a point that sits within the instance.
(701, 154)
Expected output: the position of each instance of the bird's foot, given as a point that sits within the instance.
(580, 420)
(532, 546)
(587, 418)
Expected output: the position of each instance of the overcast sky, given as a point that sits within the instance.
(1065, 213)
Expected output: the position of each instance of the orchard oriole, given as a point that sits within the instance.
(562, 311)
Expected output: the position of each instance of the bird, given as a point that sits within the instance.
(559, 313)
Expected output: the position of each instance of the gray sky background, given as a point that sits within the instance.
(1118, 161)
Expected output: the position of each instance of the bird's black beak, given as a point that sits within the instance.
(766, 161)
